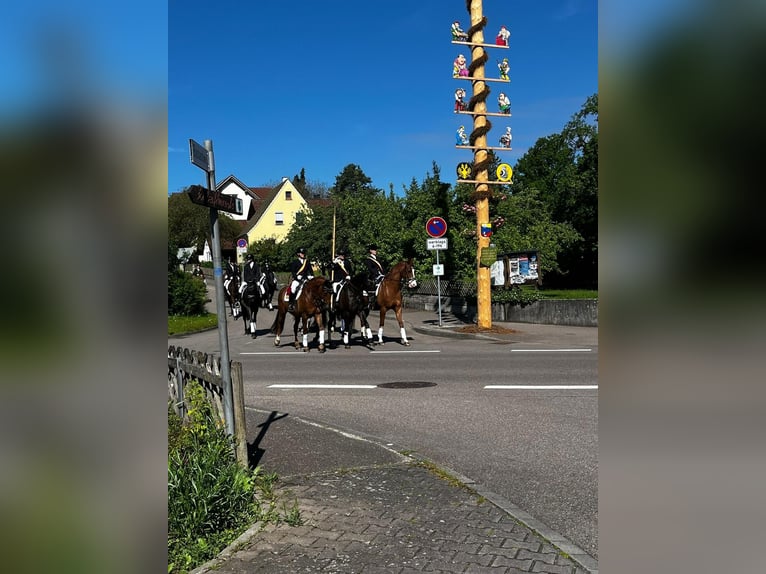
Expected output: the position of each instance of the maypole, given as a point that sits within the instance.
(477, 141)
(480, 162)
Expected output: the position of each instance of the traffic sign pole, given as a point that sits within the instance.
(202, 157)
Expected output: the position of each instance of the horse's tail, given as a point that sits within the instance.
(275, 325)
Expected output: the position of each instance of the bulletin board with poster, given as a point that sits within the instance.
(515, 268)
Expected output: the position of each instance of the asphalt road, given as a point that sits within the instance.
(536, 447)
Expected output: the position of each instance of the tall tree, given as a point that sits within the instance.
(189, 223)
(563, 168)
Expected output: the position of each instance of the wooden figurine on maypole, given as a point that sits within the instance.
(457, 33)
(504, 103)
(460, 100)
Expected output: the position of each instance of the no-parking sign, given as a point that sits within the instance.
(436, 227)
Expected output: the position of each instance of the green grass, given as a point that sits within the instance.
(180, 325)
(568, 294)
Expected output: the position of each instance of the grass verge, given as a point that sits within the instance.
(180, 325)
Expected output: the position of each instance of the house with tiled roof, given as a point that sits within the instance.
(267, 212)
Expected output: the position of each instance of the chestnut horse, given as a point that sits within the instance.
(313, 301)
(390, 295)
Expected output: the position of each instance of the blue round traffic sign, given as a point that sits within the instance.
(436, 227)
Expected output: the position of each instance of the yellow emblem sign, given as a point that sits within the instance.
(504, 172)
(464, 170)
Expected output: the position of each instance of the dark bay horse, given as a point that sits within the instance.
(313, 301)
(251, 301)
(352, 302)
(231, 295)
(269, 286)
(390, 295)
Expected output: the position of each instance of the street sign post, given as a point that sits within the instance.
(202, 157)
(436, 227)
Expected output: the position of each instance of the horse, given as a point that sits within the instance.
(232, 297)
(313, 301)
(250, 304)
(390, 295)
(269, 284)
(352, 302)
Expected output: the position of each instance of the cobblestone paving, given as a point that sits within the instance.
(395, 519)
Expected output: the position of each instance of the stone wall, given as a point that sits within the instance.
(576, 312)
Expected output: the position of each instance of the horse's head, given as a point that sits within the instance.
(408, 275)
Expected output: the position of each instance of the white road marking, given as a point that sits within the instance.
(541, 387)
(413, 351)
(274, 353)
(319, 386)
(550, 350)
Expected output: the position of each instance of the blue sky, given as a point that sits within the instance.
(280, 86)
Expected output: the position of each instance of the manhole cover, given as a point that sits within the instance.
(406, 385)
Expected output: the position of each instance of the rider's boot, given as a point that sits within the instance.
(291, 303)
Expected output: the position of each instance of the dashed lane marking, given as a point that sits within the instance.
(542, 387)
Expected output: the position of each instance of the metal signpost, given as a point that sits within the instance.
(202, 157)
(436, 227)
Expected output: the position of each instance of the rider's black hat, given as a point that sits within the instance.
(372, 247)
(343, 251)
(250, 257)
(301, 250)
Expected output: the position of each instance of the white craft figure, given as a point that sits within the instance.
(505, 139)
(459, 103)
(459, 67)
(504, 67)
(457, 33)
(460, 137)
(502, 36)
(504, 103)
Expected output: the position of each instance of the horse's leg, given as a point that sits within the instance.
(253, 316)
(382, 322)
(321, 328)
(305, 332)
(400, 320)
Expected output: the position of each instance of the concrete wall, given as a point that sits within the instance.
(577, 312)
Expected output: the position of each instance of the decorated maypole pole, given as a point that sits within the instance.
(481, 159)
(477, 141)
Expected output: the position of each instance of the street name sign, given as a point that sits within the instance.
(199, 156)
(215, 199)
(437, 243)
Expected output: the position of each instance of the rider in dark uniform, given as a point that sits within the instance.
(301, 271)
(341, 271)
(375, 269)
(229, 273)
(251, 273)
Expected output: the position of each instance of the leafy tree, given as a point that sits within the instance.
(563, 167)
(189, 223)
(267, 249)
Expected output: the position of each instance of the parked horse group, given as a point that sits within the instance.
(355, 300)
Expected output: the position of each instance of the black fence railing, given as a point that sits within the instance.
(447, 287)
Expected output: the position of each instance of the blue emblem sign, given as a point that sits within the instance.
(436, 227)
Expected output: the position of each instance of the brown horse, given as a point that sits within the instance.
(390, 295)
(313, 301)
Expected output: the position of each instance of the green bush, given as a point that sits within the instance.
(516, 296)
(186, 294)
(211, 498)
